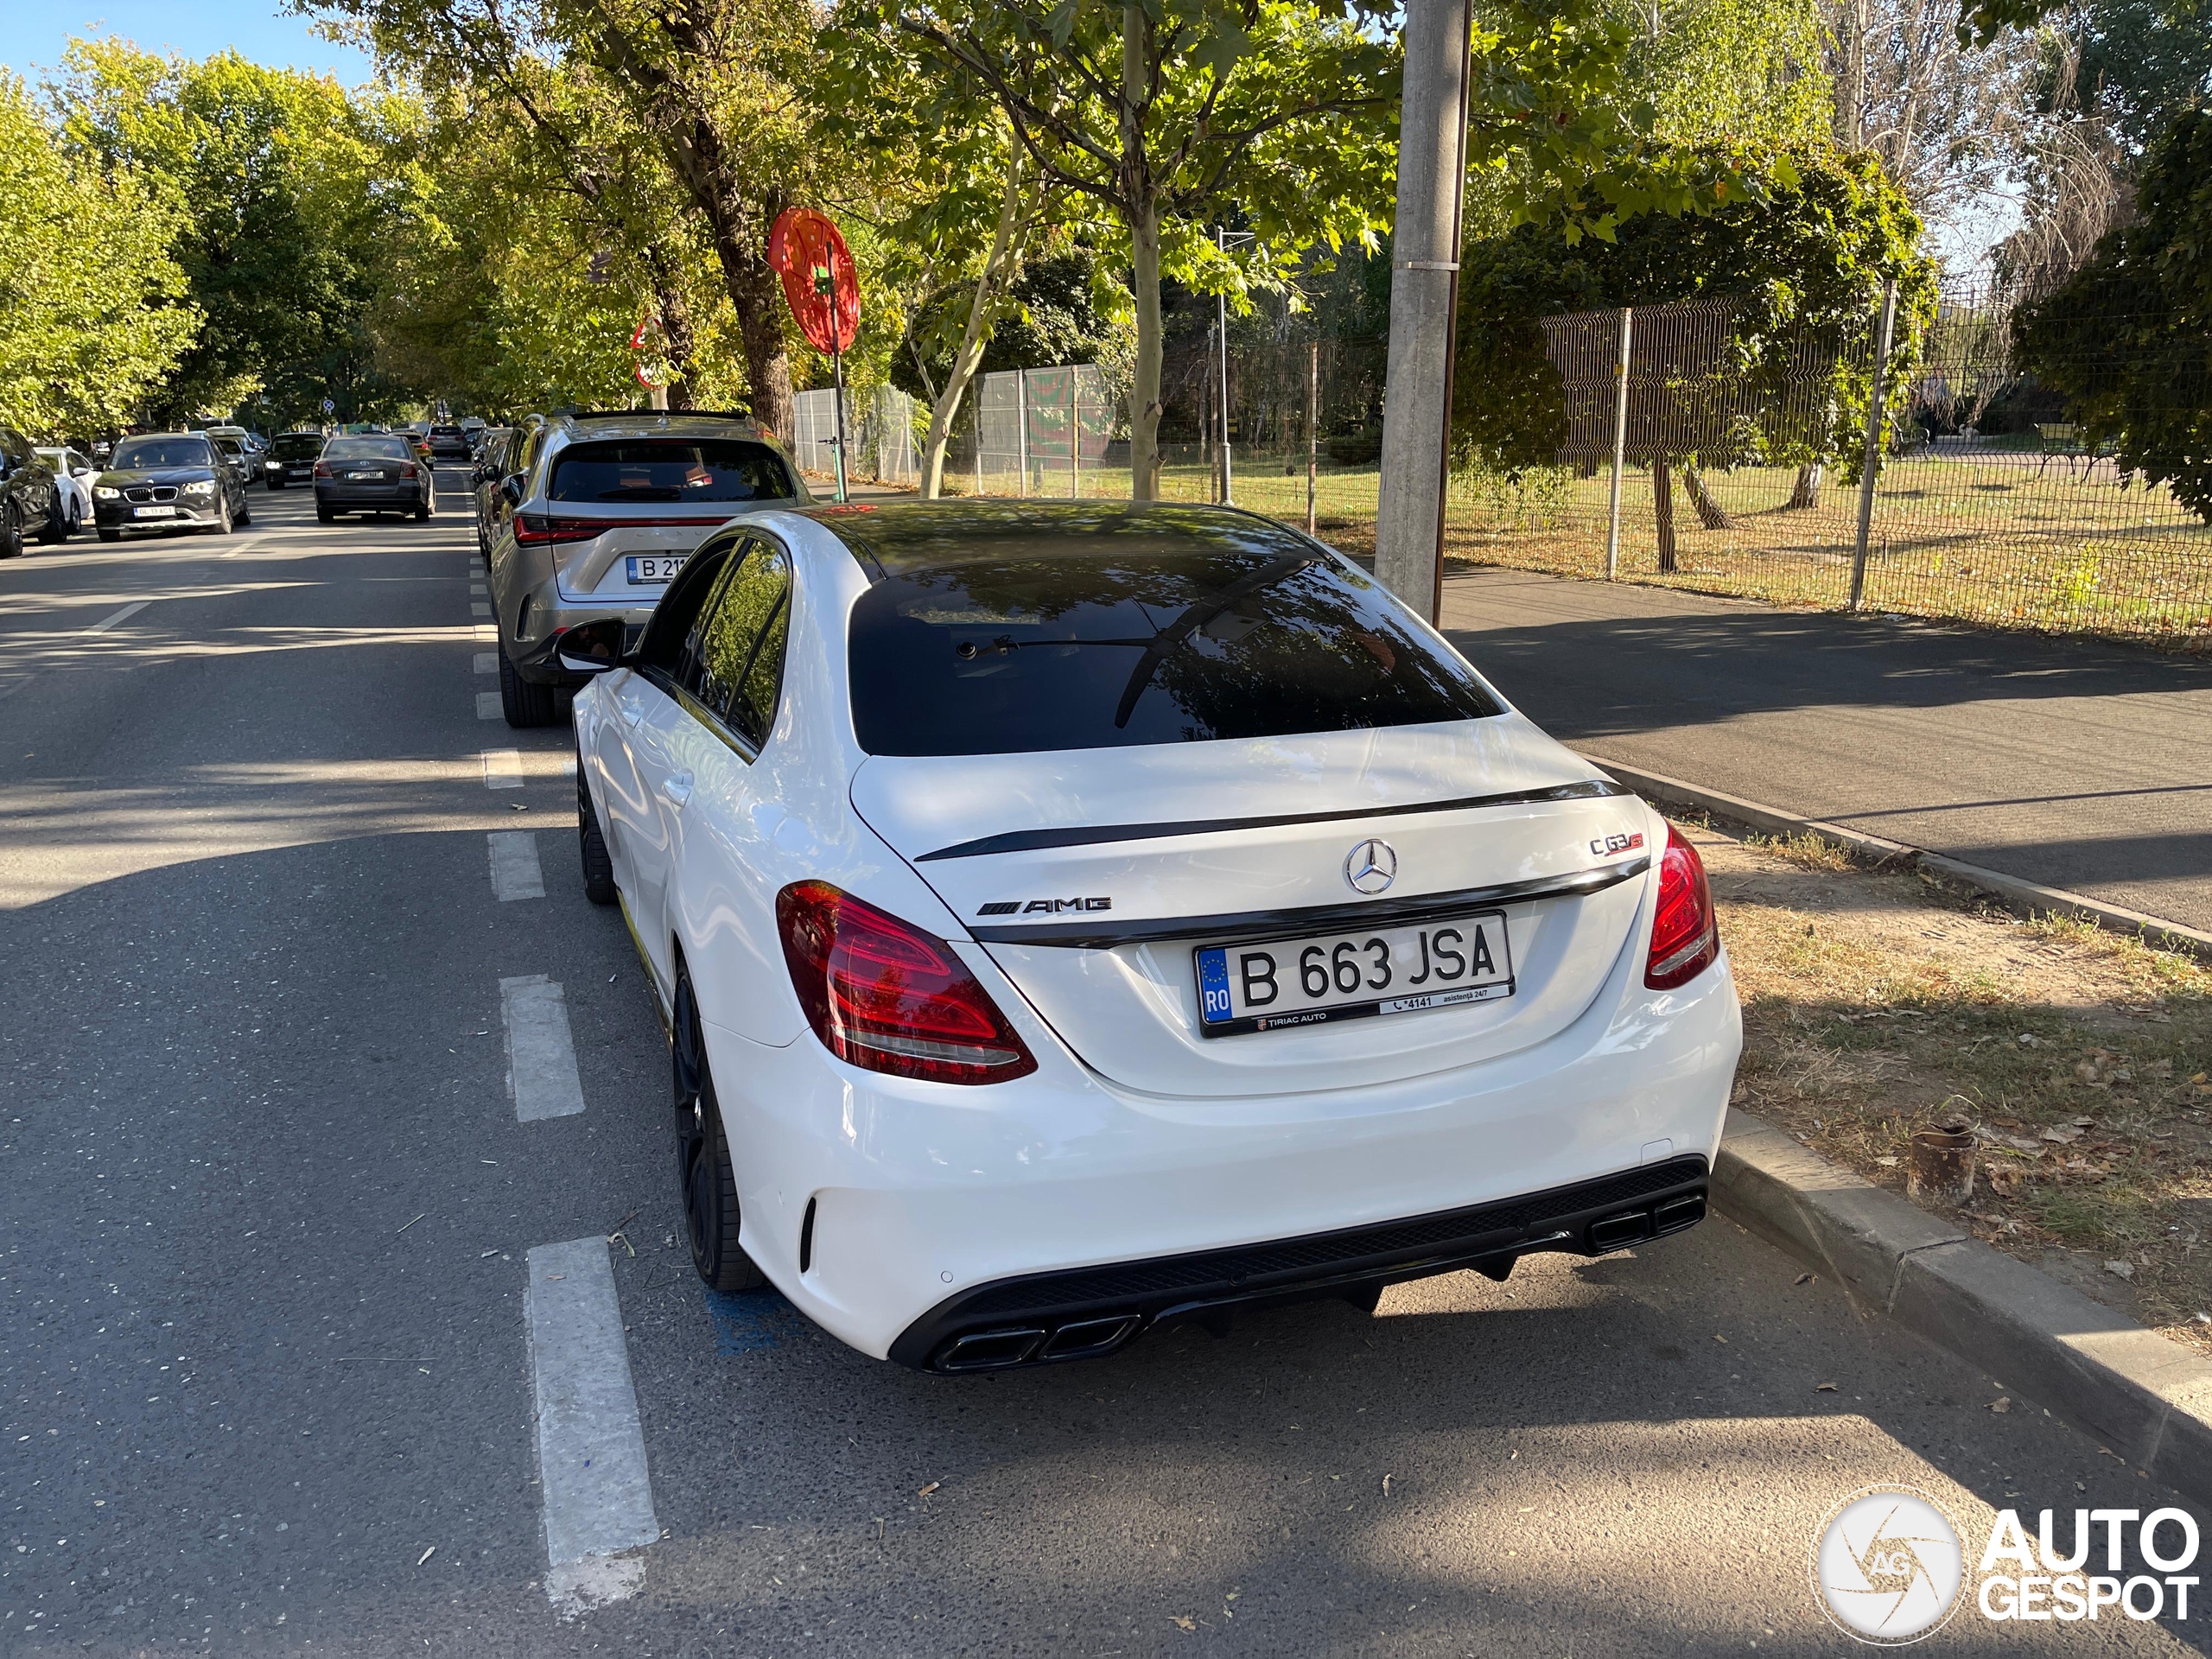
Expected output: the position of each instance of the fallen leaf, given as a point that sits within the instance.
(2062, 1135)
(2002, 1402)
(1825, 1388)
(927, 1490)
(1804, 1278)
(1720, 1340)
(1181, 1623)
(2120, 1269)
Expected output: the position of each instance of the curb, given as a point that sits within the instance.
(2131, 1390)
(2028, 897)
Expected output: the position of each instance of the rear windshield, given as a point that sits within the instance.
(669, 469)
(445, 431)
(298, 446)
(1100, 635)
(162, 452)
(368, 450)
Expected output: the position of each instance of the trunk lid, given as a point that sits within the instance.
(1092, 878)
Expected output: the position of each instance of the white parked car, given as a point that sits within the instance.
(1076, 916)
(74, 474)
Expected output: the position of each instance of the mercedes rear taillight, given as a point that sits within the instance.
(885, 996)
(1685, 934)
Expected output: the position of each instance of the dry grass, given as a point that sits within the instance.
(1876, 1003)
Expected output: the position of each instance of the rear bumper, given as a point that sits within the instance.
(939, 1212)
(1088, 1311)
(408, 493)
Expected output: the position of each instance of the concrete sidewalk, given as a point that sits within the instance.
(2076, 764)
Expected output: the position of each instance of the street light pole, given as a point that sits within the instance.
(1224, 239)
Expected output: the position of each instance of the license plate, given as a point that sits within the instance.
(654, 567)
(153, 512)
(1278, 984)
(367, 476)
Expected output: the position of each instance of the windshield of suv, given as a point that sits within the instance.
(669, 469)
(163, 452)
(369, 449)
(992, 634)
(298, 446)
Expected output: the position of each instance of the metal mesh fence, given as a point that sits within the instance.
(1742, 452)
(880, 428)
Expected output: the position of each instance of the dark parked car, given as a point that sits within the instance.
(484, 481)
(371, 475)
(449, 443)
(295, 454)
(27, 496)
(168, 480)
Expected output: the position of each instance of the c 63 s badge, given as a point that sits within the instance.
(1607, 846)
(1042, 906)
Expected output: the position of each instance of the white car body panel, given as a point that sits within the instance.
(1135, 1138)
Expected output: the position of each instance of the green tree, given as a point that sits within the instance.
(1805, 260)
(93, 312)
(2129, 339)
(281, 182)
(1158, 114)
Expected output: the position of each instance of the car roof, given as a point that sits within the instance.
(906, 536)
(658, 424)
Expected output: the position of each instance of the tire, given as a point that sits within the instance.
(422, 511)
(325, 515)
(107, 534)
(55, 530)
(524, 705)
(223, 524)
(274, 484)
(703, 1171)
(11, 532)
(599, 867)
(246, 512)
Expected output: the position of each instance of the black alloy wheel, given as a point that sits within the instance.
(703, 1165)
(523, 703)
(599, 867)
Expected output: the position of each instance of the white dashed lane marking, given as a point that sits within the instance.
(478, 607)
(591, 1449)
(541, 1057)
(503, 768)
(516, 873)
(122, 615)
(488, 663)
(487, 705)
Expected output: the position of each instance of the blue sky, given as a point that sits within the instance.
(32, 32)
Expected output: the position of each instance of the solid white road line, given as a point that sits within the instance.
(541, 1059)
(516, 873)
(486, 662)
(486, 634)
(487, 705)
(122, 615)
(591, 1448)
(503, 768)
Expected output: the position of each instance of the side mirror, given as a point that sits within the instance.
(510, 488)
(590, 647)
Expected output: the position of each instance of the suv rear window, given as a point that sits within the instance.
(1116, 628)
(297, 446)
(669, 469)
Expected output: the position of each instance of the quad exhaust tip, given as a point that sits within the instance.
(995, 1350)
(1633, 1226)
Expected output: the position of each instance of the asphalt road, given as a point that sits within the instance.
(265, 1206)
(2078, 764)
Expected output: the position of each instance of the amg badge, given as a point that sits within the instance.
(1041, 907)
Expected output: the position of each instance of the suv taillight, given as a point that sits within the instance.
(532, 528)
(885, 996)
(1685, 936)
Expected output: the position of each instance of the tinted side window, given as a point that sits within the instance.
(669, 630)
(752, 710)
(744, 615)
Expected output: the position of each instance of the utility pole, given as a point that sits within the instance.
(1424, 295)
(1225, 239)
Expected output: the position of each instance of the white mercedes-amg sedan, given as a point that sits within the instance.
(1074, 918)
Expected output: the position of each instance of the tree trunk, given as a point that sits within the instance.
(1006, 248)
(675, 325)
(1141, 208)
(1709, 511)
(1662, 502)
(1806, 492)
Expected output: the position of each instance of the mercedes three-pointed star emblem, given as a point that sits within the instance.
(1371, 866)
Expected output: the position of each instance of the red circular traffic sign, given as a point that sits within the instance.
(819, 279)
